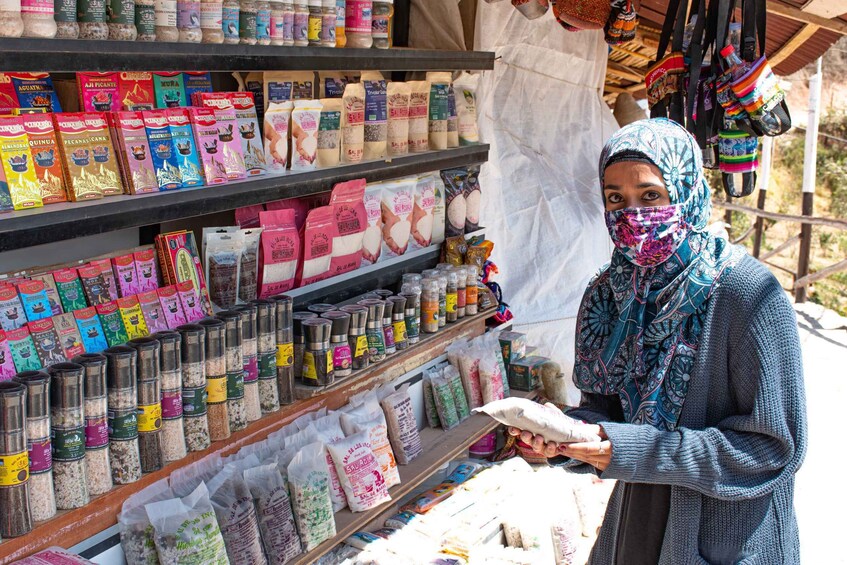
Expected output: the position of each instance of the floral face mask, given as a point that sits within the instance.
(647, 236)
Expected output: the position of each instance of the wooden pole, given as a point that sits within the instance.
(809, 178)
(764, 180)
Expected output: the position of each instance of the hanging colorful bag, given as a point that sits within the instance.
(622, 23)
(583, 14)
(759, 94)
(665, 78)
(739, 154)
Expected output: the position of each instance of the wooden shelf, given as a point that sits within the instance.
(73, 55)
(69, 528)
(439, 447)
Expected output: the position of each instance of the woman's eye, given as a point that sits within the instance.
(614, 198)
(651, 195)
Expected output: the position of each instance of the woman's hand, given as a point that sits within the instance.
(597, 454)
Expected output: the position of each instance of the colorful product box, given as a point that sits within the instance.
(77, 160)
(227, 122)
(113, 324)
(5, 195)
(512, 346)
(135, 152)
(136, 91)
(178, 253)
(98, 92)
(105, 266)
(91, 330)
(52, 293)
(125, 274)
(196, 82)
(18, 166)
(46, 341)
(133, 317)
(7, 365)
(93, 284)
(171, 306)
(23, 350)
(35, 90)
(34, 299)
(169, 90)
(154, 314)
(106, 170)
(8, 96)
(251, 133)
(70, 290)
(12, 314)
(190, 301)
(208, 145)
(147, 268)
(69, 336)
(525, 374)
(186, 151)
(46, 156)
(163, 152)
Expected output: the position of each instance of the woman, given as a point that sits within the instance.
(688, 359)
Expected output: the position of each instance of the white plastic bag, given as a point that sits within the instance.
(369, 418)
(329, 430)
(134, 525)
(359, 471)
(308, 478)
(541, 419)
(273, 507)
(402, 425)
(236, 515)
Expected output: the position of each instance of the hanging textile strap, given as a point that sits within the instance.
(673, 27)
(695, 58)
(754, 18)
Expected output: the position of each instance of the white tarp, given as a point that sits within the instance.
(542, 111)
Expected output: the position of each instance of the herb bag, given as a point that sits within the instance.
(359, 471)
(402, 425)
(237, 518)
(276, 518)
(329, 431)
(308, 478)
(184, 480)
(135, 529)
(369, 418)
(541, 419)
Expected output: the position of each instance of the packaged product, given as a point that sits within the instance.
(445, 402)
(98, 92)
(359, 472)
(135, 90)
(288, 86)
(125, 274)
(18, 165)
(94, 285)
(305, 123)
(317, 237)
(249, 270)
(328, 431)
(136, 532)
(112, 323)
(196, 82)
(148, 271)
(35, 90)
(90, 330)
(402, 425)
(69, 289)
(513, 346)
(399, 94)
(227, 123)
(465, 88)
(453, 377)
(473, 196)
(46, 157)
(332, 84)
(179, 249)
(154, 314)
(248, 127)
(308, 478)
(439, 109)
(432, 498)
(372, 238)
(185, 479)
(169, 90)
(430, 409)
(369, 417)
(190, 301)
(187, 156)
(69, 337)
(222, 250)
(348, 207)
(236, 513)
(418, 116)
(468, 358)
(46, 341)
(329, 133)
(490, 377)
(454, 199)
(376, 117)
(254, 84)
(541, 419)
(7, 365)
(12, 314)
(132, 317)
(353, 124)
(276, 132)
(53, 555)
(23, 350)
(34, 299)
(163, 151)
(269, 490)
(279, 252)
(109, 282)
(208, 144)
(423, 213)
(135, 152)
(52, 292)
(171, 306)
(452, 119)
(8, 96)
(397, 206)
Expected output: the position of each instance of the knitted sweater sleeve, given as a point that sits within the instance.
(748, 454)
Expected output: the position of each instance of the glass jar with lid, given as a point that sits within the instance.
(247, 22)
(38, 19)
(263, 22)
(231, 21)
(211, 21)
(382, 24)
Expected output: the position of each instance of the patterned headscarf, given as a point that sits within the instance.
(639, 327)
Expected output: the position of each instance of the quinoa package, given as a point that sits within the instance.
(468, 364)
(186, 531)
(398, 202)
(490, 378)
(237, 518)
(453, 377)
(439, 109)
(372, 238)
(135, 529)
(328, 431)
(376, 117)
(222, 251)
(277, 132)
(353, 124)
(473, 197)
(454, 199)
(369, 417)
(541, 419)
(465, 88)
(348, 207)
(288, 86)
(279, 252)
(423, 212)
(329, 133)
(418, 116)
(308, 479)
(359, 472)
(305, 123)
(439, 211)
(402, 425)
(399, 94)
(317, 237)
(273, 507)
(445, 402)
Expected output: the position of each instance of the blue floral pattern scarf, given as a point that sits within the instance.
(638, 327)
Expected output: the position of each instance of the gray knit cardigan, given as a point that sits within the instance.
(741, 436)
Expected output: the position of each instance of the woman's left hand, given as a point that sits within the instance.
(598, 454)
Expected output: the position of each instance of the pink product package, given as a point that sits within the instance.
(279, 252)
(171, 306)
(154, 314)
(300, 206)
(126, 274)
(7, 365)
(318, 234)
(247, 217)
(147, 268)
(209, 145)
(348, 207)
(190, 301)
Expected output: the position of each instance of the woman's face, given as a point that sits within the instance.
(632, 184)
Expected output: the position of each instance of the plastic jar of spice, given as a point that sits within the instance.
(285, 348)
(42, 501)
(231, 15)
(411, 284)
(340, 19)
(374, 328)
(342, 357)
(64, 14)
(321, 309)
(122, 387)
(388, 328)
(429, 306)
(410, 317)
(166, 20)
(301, 23)
(266, 345)
(15, 519)
(288, 23)
(96, 423)
(194, 410)
(315, 22)
(452, 296)
(121, 14)
(211, 21)
(357, 336)
(145, 20)
(67, 421)
(383, 19)
(263, 23)
(442, 299)
(247, 22)
(471, 291)
(300, 341)
(234, 370)
(149, 403)
(37, 17)
(216, 399)
(170, 368)
(318, 367)
(11, 22)
(398, 321)
(188, 21)
(461, 291)
(277, 23)
(250, 360)
(91, 15)
(358, 23)
(328, 16)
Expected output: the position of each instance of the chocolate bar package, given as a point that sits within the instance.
(136, 91)
(228, 134)
(91, 330)
(23, 350)
(70, 289)
(169, 90)
(251, 133)
(209, 147)
(35, 90)
(105, 266)
(125, 274)
(18, 166)
(106, 169)
(196, 82)
(98, 92)
(8, 96)
(52, 293)
(148, 270)
(34, 299)
(165, 163)
(77, 160)
(112, 322)
(254, 84)
(135, 152)
(12, 314)
(179, 255)
(7, 365)
(95, 289)
(186, 151)
(69, 337)
(171, 306)
(191, 304)
(46, 341)
(151, 308)
(46, 157)
(132, 317)
(5, 195)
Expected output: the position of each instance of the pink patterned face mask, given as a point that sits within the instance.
(647, 236)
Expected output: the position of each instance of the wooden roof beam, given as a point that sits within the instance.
(792, 13)
(795, 42)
